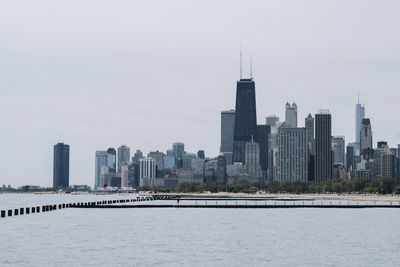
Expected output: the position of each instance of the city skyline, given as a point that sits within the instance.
(92, 102)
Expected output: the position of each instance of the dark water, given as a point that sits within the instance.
(202, 237)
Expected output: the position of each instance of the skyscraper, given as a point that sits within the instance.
(138, 155)
(323, 146)
(338, 150)
(245, 118)
(388, 163)
(292, 155)
(179, 150)
(309, 124)
(366, 137)
(61, 165)
(159, 158)
(291, 115)
(111, 159)
(271, 120)
(221, 168)
(100, 161)
(124, 155)
(227, 129)
(350, 156)
(360, 114)
(147, 171)
(263, 132)
(252, 160)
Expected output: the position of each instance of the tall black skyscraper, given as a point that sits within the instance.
(61, 165)
(245, 118)
(323, 146)
(350, 156)
(263, 132)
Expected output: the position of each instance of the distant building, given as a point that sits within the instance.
(263, 132)
(252, 160)
(133, 174)
(138, 155)
(245, 127)
(61, 165)
(227, 130)
(338, 150)
(147, 171)
(169, 162)
(221, 168)
(159, 158)
(292, 155)
(291, 115)
(366, 138)
(360, 114)
(179, 150)
(201, 154)
(198, 167)
(350, 156)
(125, 175)
(101, 160)
(323, 146)
(123, 156)
(309, 125)
(187, 159)
(339, 171)
(381, 144)
(210, 170)
(388, 163)
(110, 178)
(271, 120)
(112, 159)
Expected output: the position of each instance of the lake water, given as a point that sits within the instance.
(198, 237)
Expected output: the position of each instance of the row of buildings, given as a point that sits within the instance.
(276, 150)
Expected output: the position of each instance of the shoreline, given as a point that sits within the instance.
(311, 196)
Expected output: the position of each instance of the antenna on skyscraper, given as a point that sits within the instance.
(240, 62)
(358, 96)
(251, 67)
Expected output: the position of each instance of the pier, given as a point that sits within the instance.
(178, 201)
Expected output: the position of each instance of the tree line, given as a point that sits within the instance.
(387, 185)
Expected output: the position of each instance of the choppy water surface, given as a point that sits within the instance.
(202, 237)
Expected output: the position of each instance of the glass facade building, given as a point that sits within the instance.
(245, 118)
(323, 146)
(61, 165)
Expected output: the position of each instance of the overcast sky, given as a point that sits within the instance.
(98, 74)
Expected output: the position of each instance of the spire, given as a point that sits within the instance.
(358, 96)
(251, 67)
(240, 62)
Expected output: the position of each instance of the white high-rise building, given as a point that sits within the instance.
(292, 155)
(252, 160)
(147, 171)
(291, 115)
(101, 161)
(124, 176)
